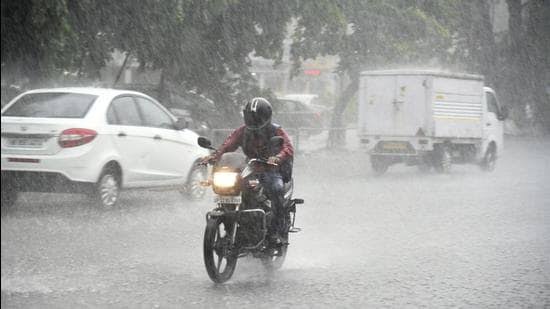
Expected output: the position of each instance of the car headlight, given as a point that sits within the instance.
(224, 180)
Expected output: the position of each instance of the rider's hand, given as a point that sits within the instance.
(207, 159)
(274, 160)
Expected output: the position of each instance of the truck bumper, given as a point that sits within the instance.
(417, 146)
(396, 145)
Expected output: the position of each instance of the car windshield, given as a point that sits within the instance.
(51, 105)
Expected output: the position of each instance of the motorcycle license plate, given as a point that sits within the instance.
(227, 199)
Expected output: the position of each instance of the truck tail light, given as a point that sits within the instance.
(75, 137)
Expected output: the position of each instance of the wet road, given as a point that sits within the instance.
(468, 239)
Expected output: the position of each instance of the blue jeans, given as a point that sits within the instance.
(272, 182)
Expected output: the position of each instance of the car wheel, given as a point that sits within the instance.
(9, 197)
(424, 164)
(107, 188)
(194, 189)
(379, 165)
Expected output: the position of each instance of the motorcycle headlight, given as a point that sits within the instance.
(224, 180)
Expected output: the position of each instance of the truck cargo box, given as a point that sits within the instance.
(420, 103)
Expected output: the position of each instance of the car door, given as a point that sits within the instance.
(493, 128)
(285, 115)
(171, 150)
(131, 140)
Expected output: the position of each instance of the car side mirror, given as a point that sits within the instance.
(503, 113)
(181, 124)
(205, 143)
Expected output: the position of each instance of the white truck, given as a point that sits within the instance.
(429, 119)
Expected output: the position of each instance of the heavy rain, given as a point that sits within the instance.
(419, 133)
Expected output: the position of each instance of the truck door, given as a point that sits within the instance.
(393, 105)
(493, 128)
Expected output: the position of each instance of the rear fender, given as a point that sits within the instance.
(110, 157)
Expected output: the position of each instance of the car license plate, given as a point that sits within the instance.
(26, 142)
(227, 199)
(394, 146)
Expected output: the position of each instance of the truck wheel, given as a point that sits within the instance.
(424, 167)
(379, 165)
(489, 161)
(443, 160)
(424, 164)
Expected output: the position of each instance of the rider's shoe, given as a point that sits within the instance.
(275, 241)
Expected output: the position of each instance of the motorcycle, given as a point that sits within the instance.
(237, 226)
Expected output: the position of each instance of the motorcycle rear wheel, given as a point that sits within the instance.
(274, 262)
(220, 263)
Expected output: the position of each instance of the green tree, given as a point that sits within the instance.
(34, 36)
(200, 45)
(367, 35)
(527, 73)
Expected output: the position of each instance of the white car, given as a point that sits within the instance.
(95, 141)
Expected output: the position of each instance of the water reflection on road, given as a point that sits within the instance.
(404, 239)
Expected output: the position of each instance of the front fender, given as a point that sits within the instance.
(485, 145)
(228, 216)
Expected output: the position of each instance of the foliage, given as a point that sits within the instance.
(451, 34)
(34, 36)
(201, 45)
(205, 46)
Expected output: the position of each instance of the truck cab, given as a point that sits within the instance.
(493, 129)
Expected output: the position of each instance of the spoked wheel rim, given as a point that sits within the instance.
(219, 260)
(195, 189)
(108, 190)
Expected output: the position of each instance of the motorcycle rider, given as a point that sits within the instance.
(254, 139)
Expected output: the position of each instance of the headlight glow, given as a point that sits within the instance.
(225, 179)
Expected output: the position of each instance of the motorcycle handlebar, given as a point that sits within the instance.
(263, 161)
(206, 161)
(212, 161)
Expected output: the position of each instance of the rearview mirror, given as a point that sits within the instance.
(181, 124)
(503, 113)
(205, 143)
(275, 143)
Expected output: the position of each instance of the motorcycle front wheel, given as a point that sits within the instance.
(219, 261)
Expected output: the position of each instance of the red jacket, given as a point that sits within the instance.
(236, 140)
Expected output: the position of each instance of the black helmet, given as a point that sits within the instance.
(257, 113)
